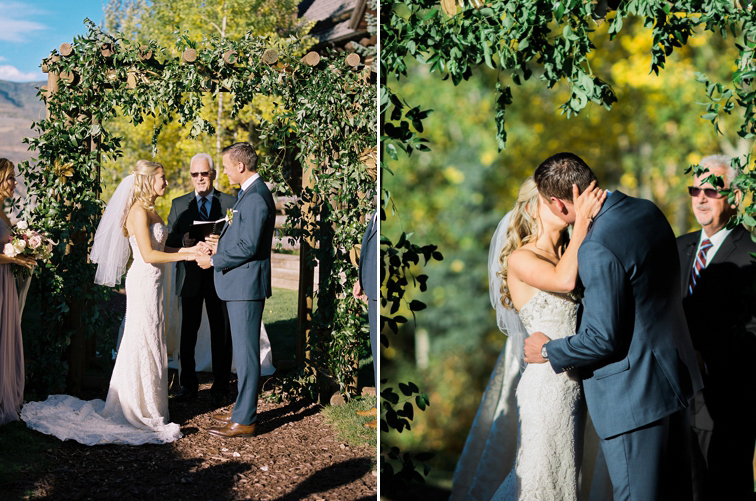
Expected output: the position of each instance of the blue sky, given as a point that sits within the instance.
(30, 29)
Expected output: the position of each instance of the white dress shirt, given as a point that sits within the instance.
(716, 242)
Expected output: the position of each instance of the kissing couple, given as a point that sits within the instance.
(598, 319)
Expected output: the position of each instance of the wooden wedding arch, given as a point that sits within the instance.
(330, 119)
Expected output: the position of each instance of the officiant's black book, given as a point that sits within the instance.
(199, 230)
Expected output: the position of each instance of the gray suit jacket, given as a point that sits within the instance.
(632, 344)
(242, 262)
(184, 211)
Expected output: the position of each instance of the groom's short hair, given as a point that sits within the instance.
(556, 175)
(244, 153)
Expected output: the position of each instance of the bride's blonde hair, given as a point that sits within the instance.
(144, 187)
(523, 227)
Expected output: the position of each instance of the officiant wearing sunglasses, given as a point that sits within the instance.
(196, 286)
(720, 306)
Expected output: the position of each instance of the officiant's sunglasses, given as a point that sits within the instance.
(203, 174)
(709, 192)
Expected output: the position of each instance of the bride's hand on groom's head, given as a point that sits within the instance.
(588, 204)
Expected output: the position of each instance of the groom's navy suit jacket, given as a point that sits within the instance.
(242, 262)
(632, 345)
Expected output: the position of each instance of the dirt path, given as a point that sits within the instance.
(295, 456)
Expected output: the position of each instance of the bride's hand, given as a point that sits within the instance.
(588, 204)
(203, 248)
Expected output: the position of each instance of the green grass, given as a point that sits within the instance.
(280, 319)
(348, 425)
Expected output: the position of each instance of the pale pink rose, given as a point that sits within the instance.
(9, 250)
(35, 241)
(22, 225)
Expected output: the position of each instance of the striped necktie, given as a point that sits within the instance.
(699, 264)
(203, 208)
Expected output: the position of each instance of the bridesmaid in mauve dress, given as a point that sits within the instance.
(11, 345)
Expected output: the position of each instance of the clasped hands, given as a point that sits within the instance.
(203, 250)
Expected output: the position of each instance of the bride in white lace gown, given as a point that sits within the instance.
(533, 271)
(136, 409)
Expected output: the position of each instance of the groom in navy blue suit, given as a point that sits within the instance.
(632, 346)
(242, 280)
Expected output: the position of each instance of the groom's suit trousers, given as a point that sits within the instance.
(246, 316)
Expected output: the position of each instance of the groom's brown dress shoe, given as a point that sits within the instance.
(233, 430)
(223, 417)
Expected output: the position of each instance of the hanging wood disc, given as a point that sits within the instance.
(270, 56)
(353, 60)
(311, 59)
(189, 56)
(106, 50)
(66, 49)
(229, 57)
(145, 53)
(131, 80)
(70, 76)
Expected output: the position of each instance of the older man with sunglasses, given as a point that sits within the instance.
(720, 306)
(196, 286)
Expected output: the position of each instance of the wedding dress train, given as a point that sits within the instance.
(136, 409)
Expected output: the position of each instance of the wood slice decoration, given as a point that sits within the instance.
(111, 75)
(353, 60)
(270, 56)
(107, 50)
(45, 68)
(70, 76)
(66, 49)
(230, 56)
(131, 80)
(311, 59)
(189, 56)
(145, 53)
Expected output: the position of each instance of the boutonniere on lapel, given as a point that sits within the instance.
(230, 216)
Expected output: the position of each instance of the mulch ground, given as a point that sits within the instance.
(295, 456)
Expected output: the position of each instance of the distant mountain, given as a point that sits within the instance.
(19, 107)
(19, 100)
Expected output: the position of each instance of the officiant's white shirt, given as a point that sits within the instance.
(209, 198)
(716, 242)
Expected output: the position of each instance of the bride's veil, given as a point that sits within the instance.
(111, 247)
(508, 321)
(491, 446)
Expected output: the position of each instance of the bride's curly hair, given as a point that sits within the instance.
(144, 187)
(523, 227)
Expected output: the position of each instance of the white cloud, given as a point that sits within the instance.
(12, 27)
(13, 74)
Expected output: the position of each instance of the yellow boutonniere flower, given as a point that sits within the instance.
(229, 216)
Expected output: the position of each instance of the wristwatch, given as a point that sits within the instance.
(544, 353)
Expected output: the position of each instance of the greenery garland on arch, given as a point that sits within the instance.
(330, 121)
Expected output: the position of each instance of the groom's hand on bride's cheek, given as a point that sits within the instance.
(533, 345)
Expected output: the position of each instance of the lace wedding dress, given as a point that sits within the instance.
(136, 410)
(552, 413)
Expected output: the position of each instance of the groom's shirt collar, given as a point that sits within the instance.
(716, 242)
(249, 181)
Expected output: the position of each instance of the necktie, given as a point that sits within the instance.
(239, 195)
(203, 208)
(699, 264)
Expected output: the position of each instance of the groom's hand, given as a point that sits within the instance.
(203, 260)
(533, 345)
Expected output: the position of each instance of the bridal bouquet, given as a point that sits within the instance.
(27, 242)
